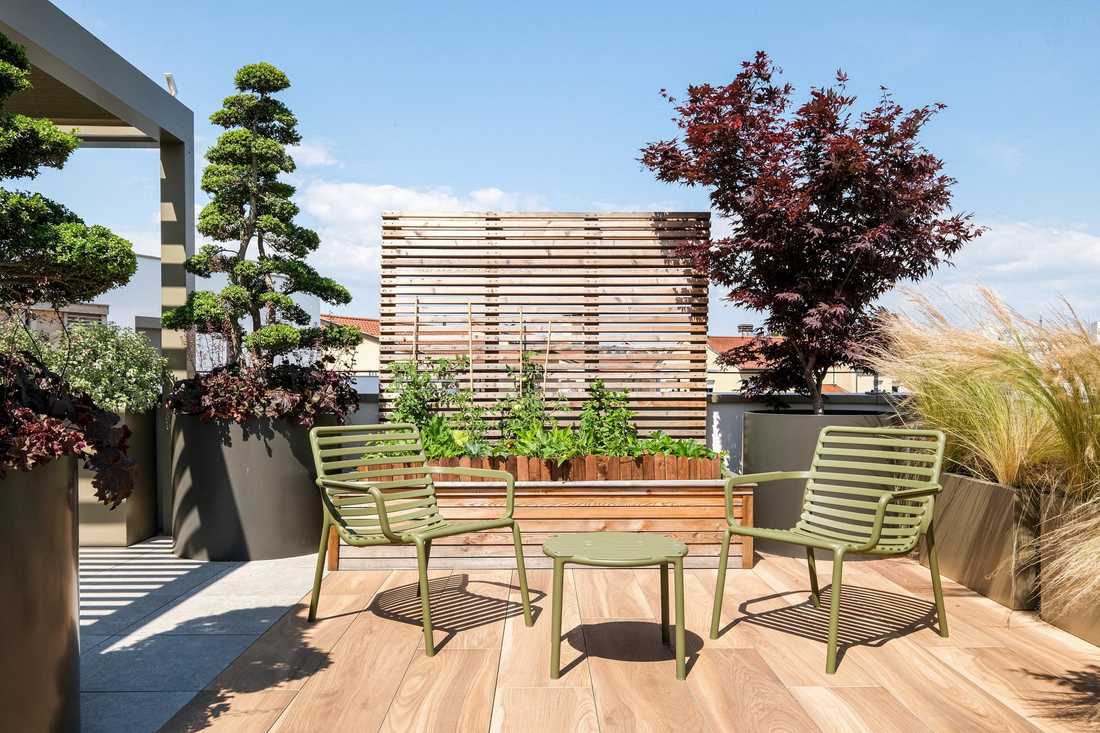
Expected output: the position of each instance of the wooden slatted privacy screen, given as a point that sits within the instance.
(590, 296)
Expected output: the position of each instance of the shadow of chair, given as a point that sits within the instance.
(456, 607)
(868, 616)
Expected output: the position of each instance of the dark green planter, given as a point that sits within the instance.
(242, 493)
(39, 623)
(784, 441)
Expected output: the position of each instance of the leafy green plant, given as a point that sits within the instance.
(661, 443)
(606, 423)
(117, 367)
(526, 411)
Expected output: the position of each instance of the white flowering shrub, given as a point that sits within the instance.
(118, 367)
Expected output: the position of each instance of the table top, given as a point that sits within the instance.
(614, 548)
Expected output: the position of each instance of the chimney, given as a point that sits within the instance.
(745, 329)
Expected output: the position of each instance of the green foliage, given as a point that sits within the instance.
(117, 367)
(49, 255)
(660, 443)
(525, 412)
(607, 424)
(528, 428)
(250, 205)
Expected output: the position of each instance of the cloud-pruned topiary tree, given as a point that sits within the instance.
(249, 206)
(262, 252)
(49, 255)
(829, 210)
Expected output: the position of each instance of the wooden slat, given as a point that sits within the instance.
(620, 301)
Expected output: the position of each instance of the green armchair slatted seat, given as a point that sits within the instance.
(868, 491)
(377, 489)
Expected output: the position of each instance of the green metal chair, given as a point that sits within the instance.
(868, 491)
(377, 489)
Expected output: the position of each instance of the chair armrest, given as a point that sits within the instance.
(755, 478)
(379, 502)
(507, 478)
(884, 501)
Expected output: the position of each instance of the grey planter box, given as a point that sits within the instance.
(242, 493)
(136, 518)
(985, 533)
(39, 633)
(785, 441)
(1082, 622)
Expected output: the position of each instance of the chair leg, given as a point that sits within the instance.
(663, 570)
(425, 607)
(427, 557)
(937, 585)
(555, 619)
(319, 573)
(681, 664)
(521, 570)
(815, 592)
(720, 588)
(834, 610)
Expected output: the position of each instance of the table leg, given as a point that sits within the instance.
(681, 667)
(663, 570)
(555, 620)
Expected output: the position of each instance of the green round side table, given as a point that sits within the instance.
(618, 550)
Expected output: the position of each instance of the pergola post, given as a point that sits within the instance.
(177, 242)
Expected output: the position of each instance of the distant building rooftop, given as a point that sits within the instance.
(367, 326)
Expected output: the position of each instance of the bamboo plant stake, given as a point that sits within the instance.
(546, 357)
(470, 339)
(416, 329)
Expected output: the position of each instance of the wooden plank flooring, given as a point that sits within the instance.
(362, 666)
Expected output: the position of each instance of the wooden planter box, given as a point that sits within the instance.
(595, 468)
(985, 537)
(691, 511)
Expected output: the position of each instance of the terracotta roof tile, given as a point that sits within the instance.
(367, 326)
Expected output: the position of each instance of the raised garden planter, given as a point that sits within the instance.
(689, 510)
(985, 535)
(1082, 622)
(242, 493)
(136, 518)
(40, 678)
(596, 468)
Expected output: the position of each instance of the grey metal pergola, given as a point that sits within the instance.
(82, 85)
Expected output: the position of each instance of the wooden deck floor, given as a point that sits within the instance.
(362, 667)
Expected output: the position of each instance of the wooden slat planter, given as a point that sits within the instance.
(691, 511)
(595, 468)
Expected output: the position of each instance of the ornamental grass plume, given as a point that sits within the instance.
(1019, 400)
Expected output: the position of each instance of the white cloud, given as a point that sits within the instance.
(348, 218)
(1032, 267)
(312, 155)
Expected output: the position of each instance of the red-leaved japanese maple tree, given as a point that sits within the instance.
(829, 210)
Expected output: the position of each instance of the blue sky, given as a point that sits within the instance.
(545, 105)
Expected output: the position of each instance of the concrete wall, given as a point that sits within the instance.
(726, 411)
